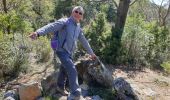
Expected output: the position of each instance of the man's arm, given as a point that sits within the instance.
(86, 45)
(51, 28)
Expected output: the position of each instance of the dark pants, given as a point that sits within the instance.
(67, 69)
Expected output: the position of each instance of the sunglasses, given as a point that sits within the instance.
(78, 13)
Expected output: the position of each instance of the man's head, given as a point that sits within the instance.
(77, 13)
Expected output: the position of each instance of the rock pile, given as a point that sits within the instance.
(89, 72)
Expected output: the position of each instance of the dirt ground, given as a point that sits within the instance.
(148, 84)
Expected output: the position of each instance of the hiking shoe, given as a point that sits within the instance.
(72, 97)
(62, 91)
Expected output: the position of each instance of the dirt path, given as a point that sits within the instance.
(149, 85)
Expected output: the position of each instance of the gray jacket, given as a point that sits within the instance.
(72, 32)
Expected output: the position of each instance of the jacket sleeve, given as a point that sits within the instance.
(51, 27)
(85, 43)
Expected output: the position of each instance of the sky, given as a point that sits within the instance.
(158, 2)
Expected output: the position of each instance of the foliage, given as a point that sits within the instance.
(97, 32)
(42, 12)
(158, 47)
(42, 49)
(62, 8)
(166, 66)
(133, 40)
(51, 98)
(145, 43)
(106, 94)
(111, 13)
(93, 7)
(13, 59)
(20, 18)
(14, 18)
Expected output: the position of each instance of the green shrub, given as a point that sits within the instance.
(42, 49)
(13, 59)
(105, 94)
(98, 32)
(144, 43)
(166, 66)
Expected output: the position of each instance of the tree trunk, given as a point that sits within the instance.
(117, 31)
(6, 11)
(4, 4)
(121, 18)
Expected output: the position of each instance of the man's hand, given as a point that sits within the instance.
(93, 56)
(33, 35)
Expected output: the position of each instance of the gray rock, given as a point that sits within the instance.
(94, 71)
(10, 95)
(49, 83)
(124, 90)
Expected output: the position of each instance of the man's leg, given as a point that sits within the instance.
(69, 66)
(61, 77)
(62, 81)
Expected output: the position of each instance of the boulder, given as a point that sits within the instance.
(49, 83)
(10, 95)
(124, 90)
(30, 91)
(94, 72)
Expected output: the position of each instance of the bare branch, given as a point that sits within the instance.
(168, 11)
(115, 3)
(133, 2)
(155, 4)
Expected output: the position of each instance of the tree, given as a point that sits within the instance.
(6, 11)
(120, 19)
(98, 33)
(117, 30)
(62, 8)
(43, 12)
(163, 10)
(153, 11)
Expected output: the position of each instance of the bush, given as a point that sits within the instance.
(145, 43)
(166, 66)
(42, 49)
(13, 60)
(98, 32)
(105, 94)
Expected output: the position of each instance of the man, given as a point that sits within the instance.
(67, 43)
